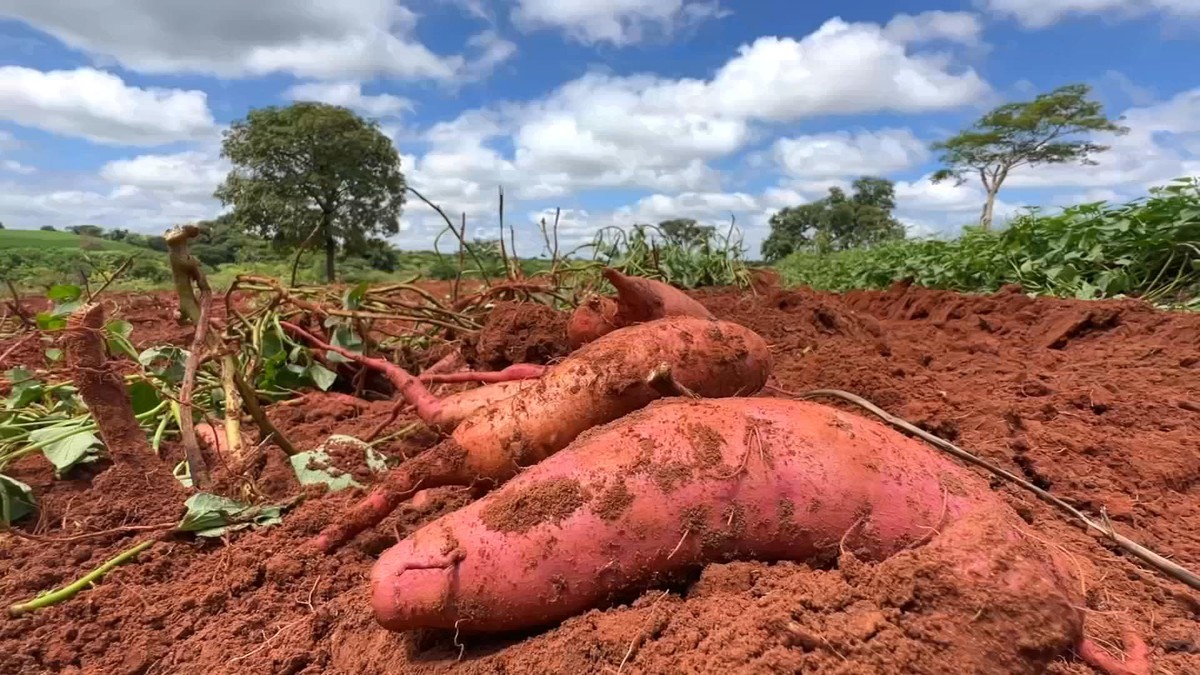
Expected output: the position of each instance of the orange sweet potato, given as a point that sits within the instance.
(638, 300)
(596, 384)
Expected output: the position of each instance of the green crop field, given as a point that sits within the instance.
(41, 239)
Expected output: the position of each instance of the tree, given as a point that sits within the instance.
(312, 172)
(87, 230)
(836, 222)
(684, 231)
(1050, 129)
(48, 228)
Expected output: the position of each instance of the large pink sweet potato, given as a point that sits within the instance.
(638, 300)
(683, 483)
(598, 383)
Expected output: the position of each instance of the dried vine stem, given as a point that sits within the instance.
(197, 468)
(461, 236)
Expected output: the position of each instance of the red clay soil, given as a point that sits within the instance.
(1097, 402)
(518, 333)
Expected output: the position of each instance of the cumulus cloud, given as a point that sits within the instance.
(187, 175)
(665, 135)
(844, 153)
(13, 166)
(121, 206)
(350, 95)
(616, 22)
(101, 107)
(328, 39)
(1043, 13)
(961, 27)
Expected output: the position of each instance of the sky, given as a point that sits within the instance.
(613, 111)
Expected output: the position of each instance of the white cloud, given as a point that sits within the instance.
(327, 39)
(617, 22)
(645, 131)
(350, 95)
(1163, 143)
(492, 49)
(841, 68)
(961, 27)
(123, 207)
(13, 166)
(192, 174)
(1043, 13)
(843, 153)
(100, 107)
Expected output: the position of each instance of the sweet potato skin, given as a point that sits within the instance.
(605, 380)
(682, 483)
(638, 300)
(457, 407)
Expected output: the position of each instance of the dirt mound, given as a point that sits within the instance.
(1098, 401)
(518, 332)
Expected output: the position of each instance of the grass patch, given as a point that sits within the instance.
(44, 239)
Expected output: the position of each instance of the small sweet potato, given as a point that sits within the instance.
(596, 384)
(638, 300)
(684, 483)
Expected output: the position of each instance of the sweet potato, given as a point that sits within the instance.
(594, 385)
(638, 300)
(513, 373)
(683, 483)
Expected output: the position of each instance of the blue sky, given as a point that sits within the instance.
(617, 111)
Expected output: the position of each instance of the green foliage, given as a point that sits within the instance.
(684, 231)
(1149, 247)
(837, 222)
(1051, 129)
(312, 169)
(16, 500)
(210, 515)
(709, 259)
(41, 268)
(51, 239)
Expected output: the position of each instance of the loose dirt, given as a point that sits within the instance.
(1098, 402)
(518, 333)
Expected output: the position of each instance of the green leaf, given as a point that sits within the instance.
(345, 337)
(167, 362)
(64, 309)
(145, 396)
(16, 500)
(54, 354)
(118, 338)
(48, 321)
(65, 293)
(66, 445)
(119, 327)
(315, 468)
(353, 297)
(26, 389)
(210, 515)
(322, 376)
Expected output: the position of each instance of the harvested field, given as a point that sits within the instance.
(1097, 402)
